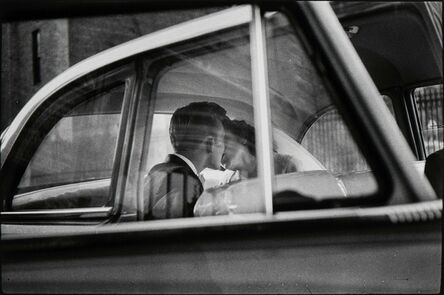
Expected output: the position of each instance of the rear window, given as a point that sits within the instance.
(428, 102)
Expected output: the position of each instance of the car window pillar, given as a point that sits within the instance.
(261, 106)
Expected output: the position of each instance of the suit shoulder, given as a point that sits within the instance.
(170, 168)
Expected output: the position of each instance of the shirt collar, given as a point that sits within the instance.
(189, 163)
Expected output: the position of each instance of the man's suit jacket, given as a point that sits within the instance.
(171, 190)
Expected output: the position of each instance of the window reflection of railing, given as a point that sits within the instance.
(429, 101)
(331, 143)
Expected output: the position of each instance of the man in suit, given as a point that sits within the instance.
(197, 136)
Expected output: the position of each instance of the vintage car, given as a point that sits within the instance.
(351, 92)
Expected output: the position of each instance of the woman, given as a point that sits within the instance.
(240, 152)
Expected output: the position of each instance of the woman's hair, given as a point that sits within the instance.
(243, 133)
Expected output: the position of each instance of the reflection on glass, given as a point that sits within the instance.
(80, 146)
(429, 101)
(307, 129)
(72, 166)
(197, 164)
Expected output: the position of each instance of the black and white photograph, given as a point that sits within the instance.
(221, 147)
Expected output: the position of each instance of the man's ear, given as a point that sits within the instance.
(209, 142)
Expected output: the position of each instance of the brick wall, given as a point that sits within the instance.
(89, 36)
(17, 61)
(63, 44)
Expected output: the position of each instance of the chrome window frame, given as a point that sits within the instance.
(59, 214)
(261, 106)
(429, 211)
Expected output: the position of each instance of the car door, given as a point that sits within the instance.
(300, 232)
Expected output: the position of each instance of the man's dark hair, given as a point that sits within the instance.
(192, 123)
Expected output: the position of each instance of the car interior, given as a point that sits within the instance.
(398, 60)
(394, 44)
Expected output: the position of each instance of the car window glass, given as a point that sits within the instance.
(160, 144)
(428, 102)
(324, 147)
(211, 71)
(72, 166)
(326, 137)
(324, 161)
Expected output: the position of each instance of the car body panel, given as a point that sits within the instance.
(272, 258)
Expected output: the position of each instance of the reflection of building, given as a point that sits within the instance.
(34, 52)
(18, 56)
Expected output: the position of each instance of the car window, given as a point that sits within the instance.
(73, 164)
(303, 110)
(330, 141)
(428, 103)
(214, 69)
(79, 147)
(160, 144)
(217, 69)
